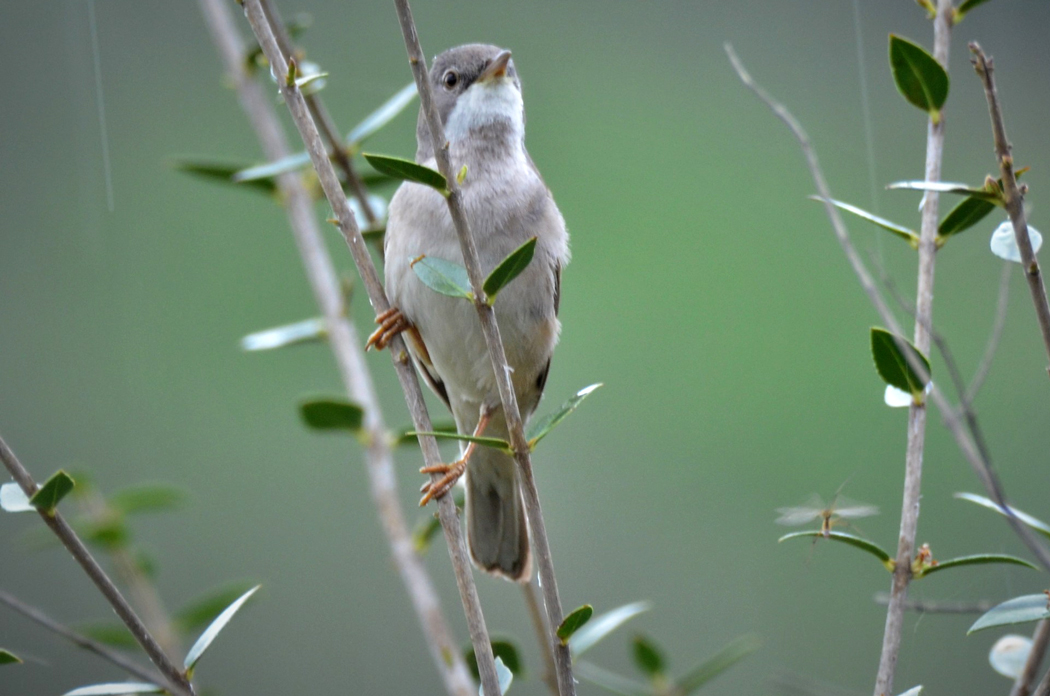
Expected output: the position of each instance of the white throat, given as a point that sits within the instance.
(486, 103)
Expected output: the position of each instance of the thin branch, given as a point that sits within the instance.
(79, 640)
(1044, 686)
(997, 333)
(539, 624)
(1014, 194)
(497, 355)
(347, 351)
(927, 607)
(57, 523)
(1040, 640)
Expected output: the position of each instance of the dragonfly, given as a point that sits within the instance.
(838, 510)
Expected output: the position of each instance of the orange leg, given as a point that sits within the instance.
(451, 472)
(391, 323)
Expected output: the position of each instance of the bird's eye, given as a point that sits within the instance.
(450, 79)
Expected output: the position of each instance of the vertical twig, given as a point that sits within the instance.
(349, 357)
(539, 624)
(93, 646)
(57, 523)
(1014, 195)
(1040, 640)
(497, 355)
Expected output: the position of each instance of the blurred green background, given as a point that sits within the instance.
(706, 292)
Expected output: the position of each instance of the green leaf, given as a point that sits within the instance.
(903, 232)
(443, 277)
(307, 80)
(968, 213)
(863, 544)
(723, 660)
(409, 171)
(504, 675)
(9, 658)
(209, 634)
(977, 559)
(1014, 611)
(542, 428)
(573, 622)
(149, 498)
(381, 116)
(406, 435)
(117, 689)
(502, 650)
(14, 499)
(203, 610)
(965, 7)
(913, 691)
(596, 630)
(308, 331)
(919, 77)
(493, 442)
(331, 414)
(49, 495)
(948, 187)
(428, 527)
(647, 656)
(893, 366)
(508, 269)
(226, 173)
(610, 681)
(109, 633)
(1036, 524)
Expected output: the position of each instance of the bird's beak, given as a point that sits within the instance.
(497, 68)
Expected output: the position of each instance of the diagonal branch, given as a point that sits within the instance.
(57, 523)
(1013, 193)
(348, 354)
(497, 355)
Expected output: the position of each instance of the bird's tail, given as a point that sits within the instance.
(497, 533)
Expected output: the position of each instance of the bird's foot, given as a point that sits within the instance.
(391, 323)
(439, 487)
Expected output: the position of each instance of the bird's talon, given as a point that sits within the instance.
(391, 323)
(436, 489)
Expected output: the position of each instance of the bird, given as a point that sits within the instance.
(477, 92)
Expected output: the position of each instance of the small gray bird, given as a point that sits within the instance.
(478, 94)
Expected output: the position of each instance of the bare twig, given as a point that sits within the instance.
(497, 355)
(1044, 686)
(997, 333)
(1014, 195)
(926, 607)
(57, 523)
(129, 666)
(1040, 640)
(348, 354)
(539, 623)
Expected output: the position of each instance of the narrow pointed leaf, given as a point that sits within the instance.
(903, 232)
(714, 666)
(309, 83)
(856, 541)
(947, 187)
(918, 75)
(209, 634)
(501, 650)
(1036, 524)
(203, 610)
(893, 366)
(596, 630)
(268, 171)
(52, 492)
(9, 658)
(913, 691)
(110, 633)
(224, 172)
(117, 689)
(443, 277)
(381, 116)
(574, 622)
(149, 498)
(647, 656)
(331, 414)
(307, 331)
(610, 681)
(965, 7)
(508, 269)
(1014, 611)
(14, 499)
(407, 435)
(542, 428)
(493, 442)
(409, 171)
(976, 559)
(963, 216)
